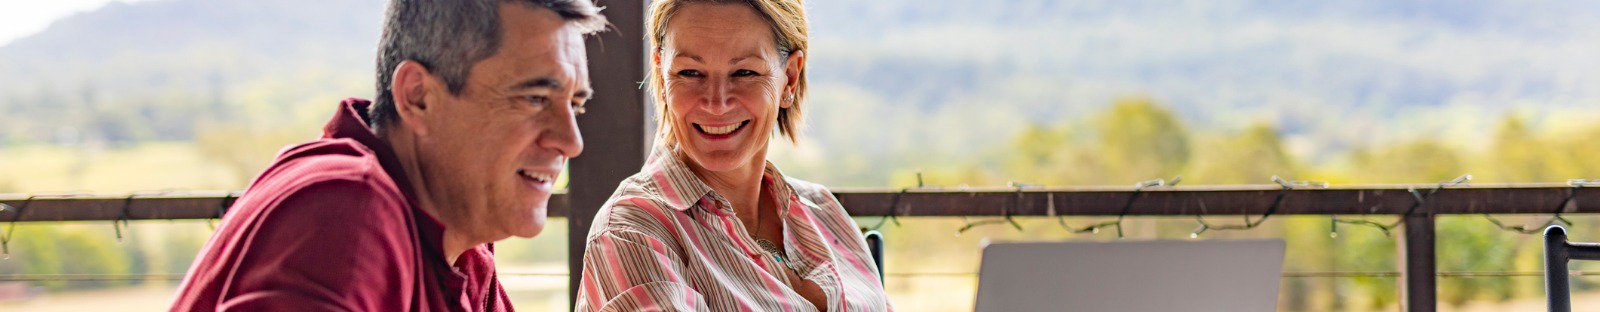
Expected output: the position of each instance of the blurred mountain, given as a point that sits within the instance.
(152, 70)
(165, 42)
(1334, 75)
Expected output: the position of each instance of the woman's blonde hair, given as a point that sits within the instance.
(789, 28)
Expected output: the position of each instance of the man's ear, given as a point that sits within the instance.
(791, 69)
(412, 94)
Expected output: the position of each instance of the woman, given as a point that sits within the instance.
(709, 224)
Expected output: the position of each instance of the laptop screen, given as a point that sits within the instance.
(1209, 275)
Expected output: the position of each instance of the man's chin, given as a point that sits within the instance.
(529, 233)
(531, 226)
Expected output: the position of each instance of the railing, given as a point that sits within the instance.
(616, 134)
(1418, 204)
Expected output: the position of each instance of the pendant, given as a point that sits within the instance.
(770, 248)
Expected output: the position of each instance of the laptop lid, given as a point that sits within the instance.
(1206, 275)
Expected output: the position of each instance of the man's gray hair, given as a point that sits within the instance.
(448, 36)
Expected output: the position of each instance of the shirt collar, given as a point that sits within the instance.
(350, 122)
(683, 188)
(680, 187)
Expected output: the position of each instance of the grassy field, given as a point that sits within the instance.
(155, 166)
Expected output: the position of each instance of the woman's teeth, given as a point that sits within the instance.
(721, 130)
(536, 176)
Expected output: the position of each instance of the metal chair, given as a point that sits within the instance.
(1557, 251)
(875, 246)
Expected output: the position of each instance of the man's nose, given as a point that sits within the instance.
(564, 137)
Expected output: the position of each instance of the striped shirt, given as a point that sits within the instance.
(666, 241)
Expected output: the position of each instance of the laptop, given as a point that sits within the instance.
(1205, 275)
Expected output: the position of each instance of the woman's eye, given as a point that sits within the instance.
(745, 73)
(690, 73)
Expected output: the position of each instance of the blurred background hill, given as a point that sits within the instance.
(199, 94)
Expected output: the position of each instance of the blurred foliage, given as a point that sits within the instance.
(1137, 139)
(130, 99)
(56, 249)
(1141, 140)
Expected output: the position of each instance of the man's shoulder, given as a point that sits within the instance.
(329, 179)
(325, 158)
(321, 161)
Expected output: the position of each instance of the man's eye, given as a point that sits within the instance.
(536, 100)
(745, 73)
(690, 73)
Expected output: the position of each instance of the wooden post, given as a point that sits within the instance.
(613, 129)
(1418, 264)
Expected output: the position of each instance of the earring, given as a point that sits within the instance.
(789, 97)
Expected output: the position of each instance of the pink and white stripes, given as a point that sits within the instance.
(667, 242)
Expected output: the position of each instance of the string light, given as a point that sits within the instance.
(1555, 216)
(1138, 191)
(1006, 213)
(1283, 192)
(894, 205)
(1388, 229)
(5, 241)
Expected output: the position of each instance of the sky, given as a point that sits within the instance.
(20, 18)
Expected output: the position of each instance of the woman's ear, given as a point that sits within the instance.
(791, 70)
(656, 67)
(410, 91)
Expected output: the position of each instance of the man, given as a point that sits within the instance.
(396, 208)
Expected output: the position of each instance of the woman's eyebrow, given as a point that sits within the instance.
(696, 58)
(756, 56)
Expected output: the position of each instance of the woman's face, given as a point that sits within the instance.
(723, 82)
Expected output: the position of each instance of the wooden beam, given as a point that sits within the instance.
(1418, 266)
(614, 127)
(1079, 201)
(1218, 200)
(141, 206)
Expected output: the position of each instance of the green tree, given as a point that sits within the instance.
(91, 252)
(1251, 157)
(1519, 155)
(1034, 151)
(1467, 243)
(1046, 155)
(54, 248)
(1139, 140)
(1579, 154)
(1420, 161)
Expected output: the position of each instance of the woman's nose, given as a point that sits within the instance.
(718, 98)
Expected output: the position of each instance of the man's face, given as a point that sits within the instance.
(493, 151)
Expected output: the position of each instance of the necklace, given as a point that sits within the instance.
(767, 245)
(770, 248)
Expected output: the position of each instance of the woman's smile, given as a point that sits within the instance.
(720, 131)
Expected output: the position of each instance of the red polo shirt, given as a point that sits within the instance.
(331, 225)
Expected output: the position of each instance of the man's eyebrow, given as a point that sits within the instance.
(538, 83)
